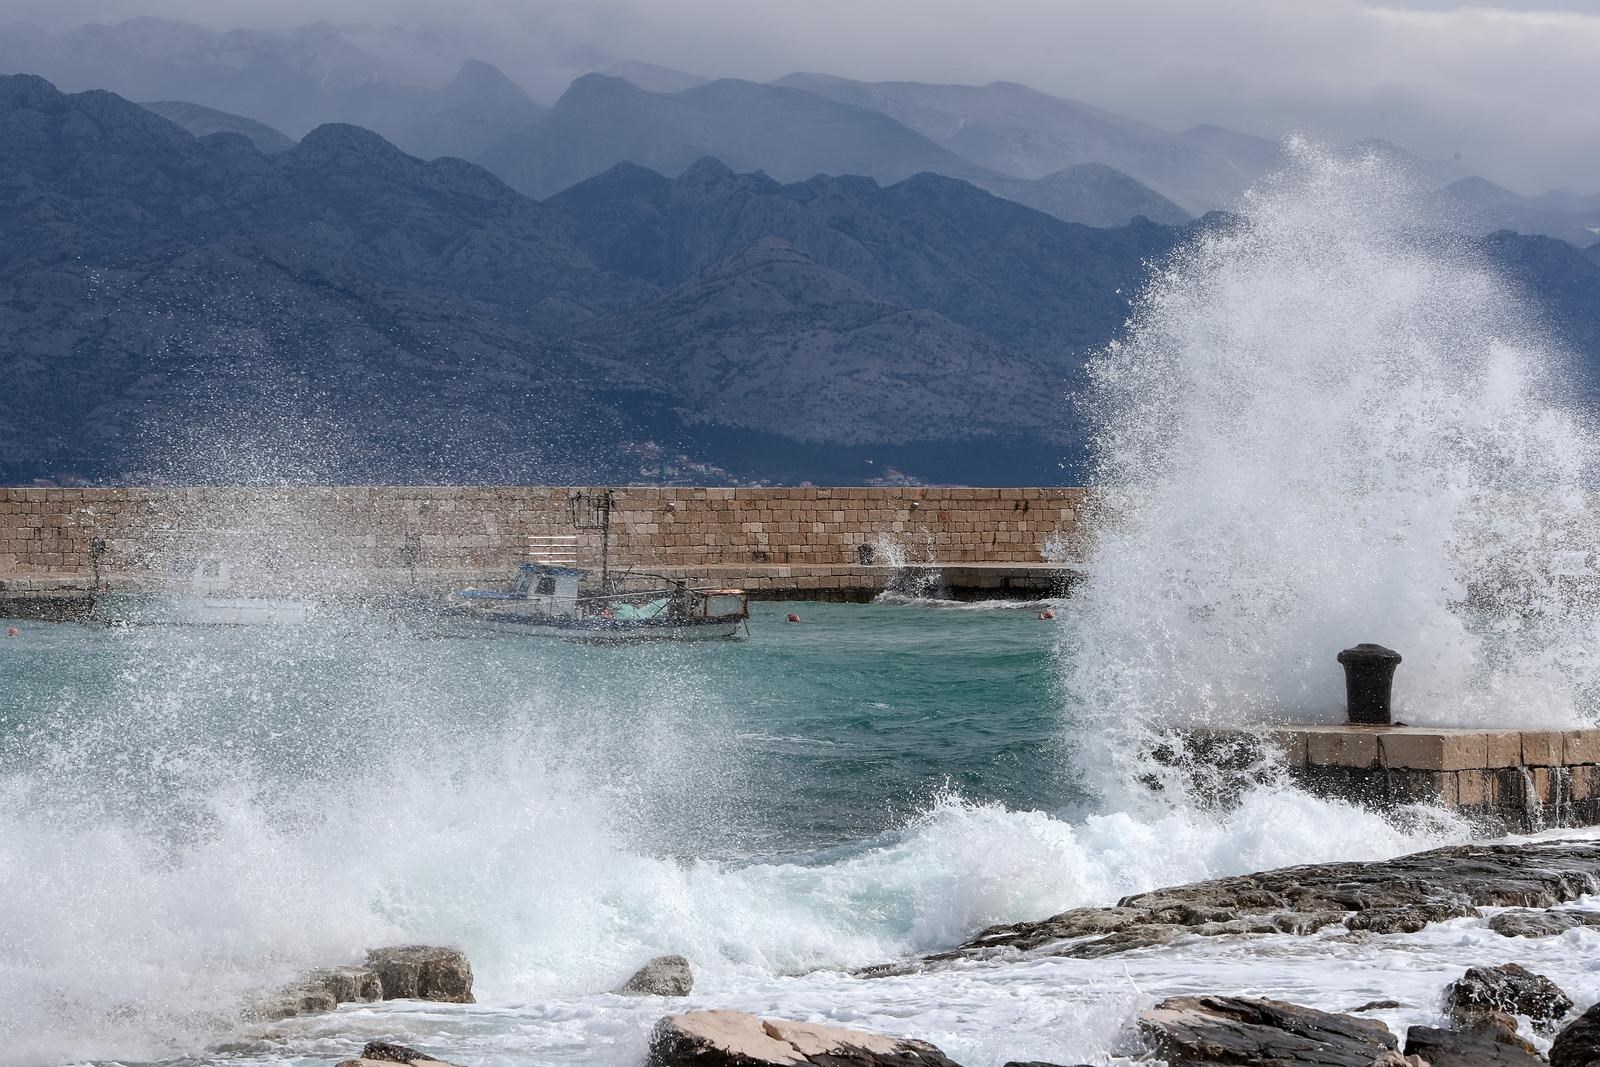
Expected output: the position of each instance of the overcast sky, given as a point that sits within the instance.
(1512, 86)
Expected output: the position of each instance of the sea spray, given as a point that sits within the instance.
(1328, 422)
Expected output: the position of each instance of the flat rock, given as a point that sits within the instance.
(347, 985)
(387, 1054)
(1525, 922)
(664, 976)
(1390, 896)
(290, 1001)
(1457, 1048)
(736, 1039)
(1510, 989)
(1578, 1045)
(422, 972)
(1269, 1033)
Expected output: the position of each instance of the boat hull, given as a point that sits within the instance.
(143, 609)
(598, 630)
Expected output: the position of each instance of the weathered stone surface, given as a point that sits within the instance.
(1457, 1048)
(422, 972)
(1377, 1005)
(386, 1054)
(292, 1000)
(1526, 922)
(735, 1039)
(1509, 988)
(347, 985)
(1394, 895)
(1407, 920)
(1578, 1045)
(664, 976)
(1248, 1032)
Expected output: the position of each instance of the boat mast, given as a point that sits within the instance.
(592, 510)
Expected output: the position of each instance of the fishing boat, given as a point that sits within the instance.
(544, 599)
(199, 591)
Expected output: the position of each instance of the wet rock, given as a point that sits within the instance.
(1391, 896)
(422, 972)
(1524, 922)
(298, 999)
(385, 1054)
(664, 976)
(347, 985)
(1578, 1045)
(1037, 1063)
(1377, 1005)
(735, 1039)
(1510, 989)
(1260, 1033)
(1458, 1048)
(1408, 920)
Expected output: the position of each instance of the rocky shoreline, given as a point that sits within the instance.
(1491, 1013)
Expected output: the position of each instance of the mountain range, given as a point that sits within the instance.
(195, 308)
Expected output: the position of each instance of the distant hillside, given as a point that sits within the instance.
(1024, 133)
(1477, 205)
(201, 121)
(602, 121)
(291, 80)
(1092, 194)
(185, 308)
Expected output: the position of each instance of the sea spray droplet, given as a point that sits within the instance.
(1328, 421)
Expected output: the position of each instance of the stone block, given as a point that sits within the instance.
(1472, 788)
(1504, 748)
(1580, 747)
(1433, 750)
(1342, 747)
(1541, 748)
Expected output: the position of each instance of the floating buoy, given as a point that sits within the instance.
(13, 632)
(1047, 614)
(793, 617)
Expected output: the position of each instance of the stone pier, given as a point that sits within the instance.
(1518, 780)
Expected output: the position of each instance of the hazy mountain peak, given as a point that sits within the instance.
(654, 78)
(205, 121)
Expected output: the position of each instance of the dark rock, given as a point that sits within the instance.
(1407, 920)
(1578, 1044)
(384, 1053)
(1036, 1063)
(1509, 988)
(1377, 1005)
(664, 976)
(735, 1039)
(347, 985)
(1456, 1048)
(1523, 922)
(1402, 894)
(423, 972)
(1248, 1032)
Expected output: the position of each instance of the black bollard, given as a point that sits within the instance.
(1368, 678)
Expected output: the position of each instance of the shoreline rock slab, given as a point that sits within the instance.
(1578, 1044)
(423, 972)
(1509, 989)
(664, 976)
(1524, 922)
(737, 1039)
(347, 985)
(1397, 895)
(1248, 1032)
(387, 1054)
(1468, 1048)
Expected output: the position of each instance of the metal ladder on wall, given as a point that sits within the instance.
(560, 550)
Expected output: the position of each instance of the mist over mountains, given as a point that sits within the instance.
(297, 261)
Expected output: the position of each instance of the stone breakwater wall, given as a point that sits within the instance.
(799, 541)
(1519, 780)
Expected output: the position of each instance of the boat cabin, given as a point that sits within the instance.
(553, 588)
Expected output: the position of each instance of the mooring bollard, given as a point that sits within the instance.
(1368, 679)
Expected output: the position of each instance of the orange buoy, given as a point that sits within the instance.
(793, 617)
